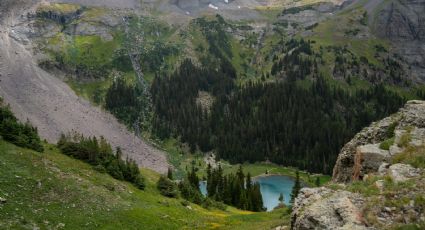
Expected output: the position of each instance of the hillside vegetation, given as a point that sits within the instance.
(285, 90)
(50, 190)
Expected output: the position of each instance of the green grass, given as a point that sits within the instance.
(331, 33)
(89, 89)
(92, 50)
(414, 156)
(50, 191)
(385, 145)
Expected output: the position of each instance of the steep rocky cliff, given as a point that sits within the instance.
(378, 180)
(403, 23)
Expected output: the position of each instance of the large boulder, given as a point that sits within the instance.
(368, 158)
(324, 208)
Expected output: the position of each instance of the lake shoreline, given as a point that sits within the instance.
(303, 183)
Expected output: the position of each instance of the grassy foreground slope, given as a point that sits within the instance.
(52, 191)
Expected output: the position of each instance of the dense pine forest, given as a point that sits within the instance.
(286, 122)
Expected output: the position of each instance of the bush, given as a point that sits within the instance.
(391, 128)
(185, 203)
(385, 145)
(167, 187)
(190, 193)
(140, 182)
(100, 168)
(209, 203)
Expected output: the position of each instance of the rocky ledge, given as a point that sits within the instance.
(378, 180)
(380, 141)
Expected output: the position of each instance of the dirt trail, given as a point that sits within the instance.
(49, 103)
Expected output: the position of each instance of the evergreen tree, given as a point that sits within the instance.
(281, 198)
(100, 155)
(297, 187)
(317, 182)
(170, 174)
(20, 134)
(234, 189)
(167, 187)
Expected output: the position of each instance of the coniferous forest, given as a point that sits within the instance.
(287, 122)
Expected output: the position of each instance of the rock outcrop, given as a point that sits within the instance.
(323, 208)
(363, 154)
(385, 194)
(402, 172)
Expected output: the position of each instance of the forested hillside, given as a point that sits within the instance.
(285, 122)
(284, 88)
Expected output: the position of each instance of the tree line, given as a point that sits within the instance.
(237, 190)
(15, 132)
(99, 153)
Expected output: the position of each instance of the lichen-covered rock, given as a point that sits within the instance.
(323, 208)
(369, 158)
(410, 119)
(402, 172)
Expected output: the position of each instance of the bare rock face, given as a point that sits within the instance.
(365, 145)
(323, 208)
(403, 22)
(369, 157)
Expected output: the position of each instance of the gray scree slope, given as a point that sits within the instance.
(49, 103)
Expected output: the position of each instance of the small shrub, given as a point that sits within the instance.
(404, 140)
(167, 187)
(209, 204)
(390, 131)
(100, 168)
(385, 145)
(185, 203)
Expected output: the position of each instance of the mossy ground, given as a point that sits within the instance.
(59, 7)
(52, 191)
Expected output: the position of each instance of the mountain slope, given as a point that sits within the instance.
(52, 191)
(49, 103)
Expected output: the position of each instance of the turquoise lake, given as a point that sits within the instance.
(270, 186)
